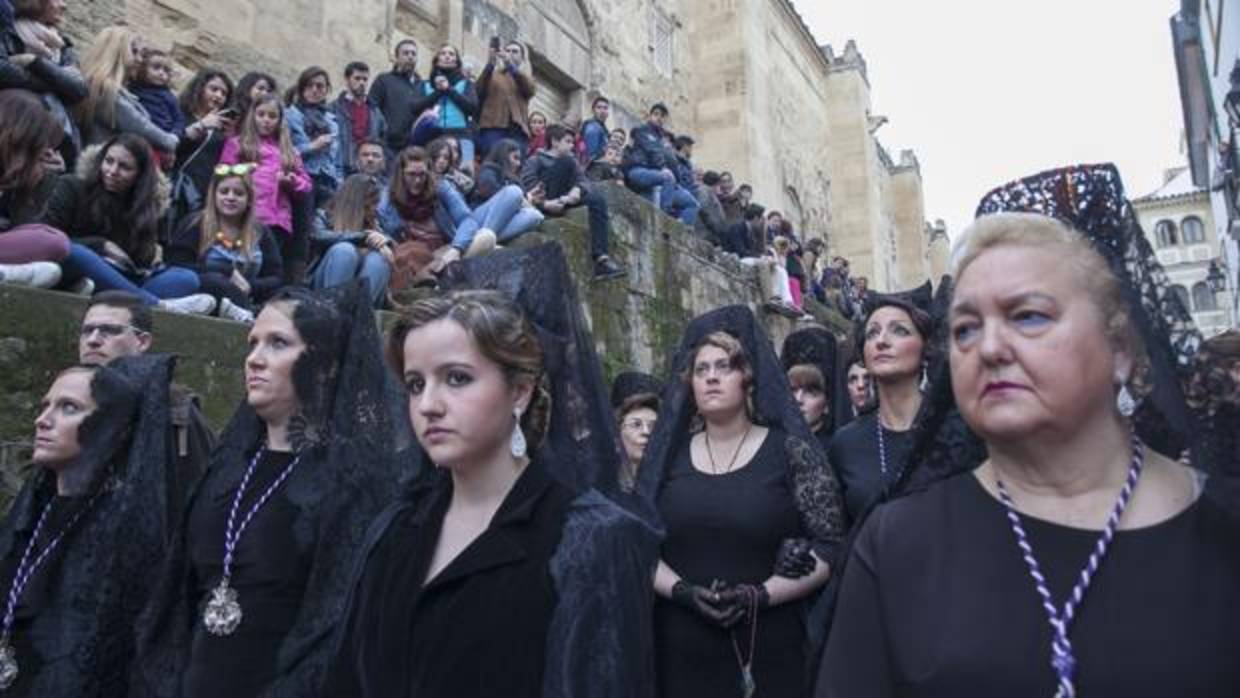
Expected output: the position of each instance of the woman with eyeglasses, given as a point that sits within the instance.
(236, 257)
(315, 131)
(635, 398)
(752, 516)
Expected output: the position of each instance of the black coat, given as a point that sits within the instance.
(397, 96)
(479, 628)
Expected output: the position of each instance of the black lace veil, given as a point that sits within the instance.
(633, 383)
(353, 436)
(104, 575)
(813, 483)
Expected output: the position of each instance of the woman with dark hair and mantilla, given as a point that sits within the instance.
(78, 545)
(809, 357)
(500, 571)
(894, 340)
(740, 484)
(1078, 559)
(635, 398)
(256, 580)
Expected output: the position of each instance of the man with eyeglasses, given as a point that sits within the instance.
(118, 323)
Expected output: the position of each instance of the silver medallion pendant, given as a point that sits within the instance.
(222, 614)
(8, 665)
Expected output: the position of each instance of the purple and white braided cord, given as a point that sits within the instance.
(1062, 658)
(231, 535)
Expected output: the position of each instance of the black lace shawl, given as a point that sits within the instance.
(105, 561)
(352, 425)
(817, 347)
(814, 486)
(633, 383)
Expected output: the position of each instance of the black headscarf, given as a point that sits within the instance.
(813, 483)
(350, 434)
(816, 347)
(83, 630)
(633, 383)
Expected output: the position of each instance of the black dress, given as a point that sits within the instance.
(479, 628)
(854, 456)
(937, 601)
(270, 569)
(728, 527)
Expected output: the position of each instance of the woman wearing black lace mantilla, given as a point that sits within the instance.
(77, 548)
(752, 516)
(500, 571)
(1078, 558)
(256, 580)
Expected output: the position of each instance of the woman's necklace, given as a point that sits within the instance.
(1062, 658)
(714, 468)
(25, 570)
(222, 614)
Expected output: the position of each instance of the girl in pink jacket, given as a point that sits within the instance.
(279, 175)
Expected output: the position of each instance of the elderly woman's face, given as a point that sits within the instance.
(275, 346)
(718, 384)
(635, 429)
(892, 345)
(1029, 351)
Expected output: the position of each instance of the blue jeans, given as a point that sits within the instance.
(488, 137)
(502, 213)
(170, 282)
(665, 193)
(344, 261)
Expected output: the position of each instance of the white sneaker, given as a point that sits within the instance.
(483, 242)
(197, 304)
(36, 274)
(236, 313)
(83, 287)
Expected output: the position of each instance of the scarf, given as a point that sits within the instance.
(40, 39)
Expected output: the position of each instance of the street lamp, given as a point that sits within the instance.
(1215, 278)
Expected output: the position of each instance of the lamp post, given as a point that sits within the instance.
(1215, 278)
(1231, 103)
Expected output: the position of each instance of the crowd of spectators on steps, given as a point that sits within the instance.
(208, 200)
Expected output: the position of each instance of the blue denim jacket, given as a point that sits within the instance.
(317, 163)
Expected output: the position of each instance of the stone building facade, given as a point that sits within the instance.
(744, 77)
(1179, 222)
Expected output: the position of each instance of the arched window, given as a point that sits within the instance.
(1193, 230)
(1203, 297)
(1164, 231)
(1182, 293)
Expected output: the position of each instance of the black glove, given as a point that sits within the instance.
(748, 599)
(795, 559)
(709, 603)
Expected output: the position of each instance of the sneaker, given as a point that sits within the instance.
(605, 268)
(236, 313)
(36, 274)
(197, 304)
(82, 287)
(483, 242)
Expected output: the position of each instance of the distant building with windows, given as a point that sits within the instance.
(1178, 220)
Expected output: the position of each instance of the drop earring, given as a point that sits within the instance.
(1125, 402)
(518, 446)
(925, 378)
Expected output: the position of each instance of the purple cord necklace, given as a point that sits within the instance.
(222, 614)
(25, 570)
(1062, 659)
(882, 446)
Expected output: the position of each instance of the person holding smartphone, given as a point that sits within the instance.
(504, 94)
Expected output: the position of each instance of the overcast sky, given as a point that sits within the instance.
(986, 91)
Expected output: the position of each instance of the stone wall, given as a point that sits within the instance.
(673, 277)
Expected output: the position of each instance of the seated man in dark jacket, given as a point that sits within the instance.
(119, 324)
(712, 224)
(648, 168)
(564, 187)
